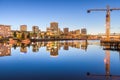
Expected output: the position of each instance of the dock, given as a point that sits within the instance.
(113, 45)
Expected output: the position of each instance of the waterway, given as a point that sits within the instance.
(58, 60)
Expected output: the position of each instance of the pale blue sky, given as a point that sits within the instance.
(68, 13)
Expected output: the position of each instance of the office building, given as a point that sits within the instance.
(66, 31)
(35, 29)
(54, 29)
(23, 28)
(83, 31)
(5, 31)
(54, 25)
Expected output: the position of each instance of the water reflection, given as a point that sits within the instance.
(107, 75)
(97, 60)
(23, 48)
(5, 49)
(52, 46)
(107, 64)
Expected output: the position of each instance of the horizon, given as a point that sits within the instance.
(68, 13)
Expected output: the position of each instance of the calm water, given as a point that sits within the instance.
(58, 60)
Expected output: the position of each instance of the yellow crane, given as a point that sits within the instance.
(108, 10)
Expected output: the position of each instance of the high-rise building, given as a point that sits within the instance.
(54, 26)
(36, 32)
(54, 29)
(77, 32)
(84, 31)
(2, 30)
(23, 28)
(5, 30)
(66, 31)
(35, 29)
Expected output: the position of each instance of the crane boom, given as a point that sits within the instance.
(95, 10)
(102, 9)
(115, 9)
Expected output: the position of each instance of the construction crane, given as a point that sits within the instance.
(108, 10)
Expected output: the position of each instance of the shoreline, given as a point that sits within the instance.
(37, 40)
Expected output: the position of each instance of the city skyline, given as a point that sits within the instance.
(68, 13)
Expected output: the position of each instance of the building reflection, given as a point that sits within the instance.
(52, 47)
(66, 45)
(23, 48)
(35, 47)
(54, 52)
(84, 45)
(5, 49)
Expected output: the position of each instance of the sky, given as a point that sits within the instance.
(68, 13)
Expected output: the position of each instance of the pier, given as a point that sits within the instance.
(113, 45)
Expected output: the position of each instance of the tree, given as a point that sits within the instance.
(28, 36)
(15, 34)
(23, 36)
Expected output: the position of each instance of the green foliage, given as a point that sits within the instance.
(28, 36)
(15, 34)
(23, 36)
